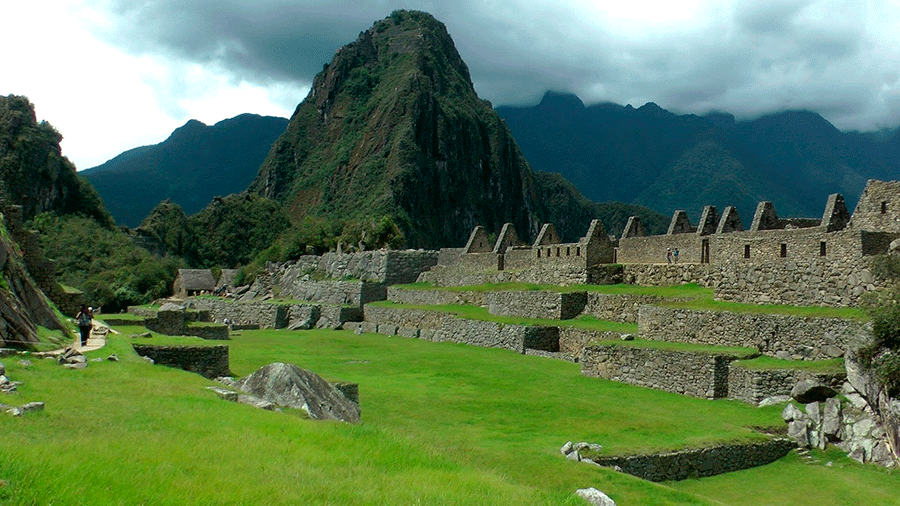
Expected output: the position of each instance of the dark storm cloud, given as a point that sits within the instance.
(837, 57)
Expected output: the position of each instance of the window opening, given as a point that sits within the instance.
(783, 250)
(822, 249)
(746, 251)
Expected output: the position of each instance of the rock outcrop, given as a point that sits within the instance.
(23, 306)
(290, 386)
(866, 425)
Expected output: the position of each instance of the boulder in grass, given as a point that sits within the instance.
(808, 391)
(595, 497)
(290, 386)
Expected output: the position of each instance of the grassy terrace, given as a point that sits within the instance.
(734, 351)
(481, 313)
(443, 423)
(688, 296)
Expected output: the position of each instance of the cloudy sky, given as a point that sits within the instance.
(111, 75)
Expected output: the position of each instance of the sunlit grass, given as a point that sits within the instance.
(443, 423)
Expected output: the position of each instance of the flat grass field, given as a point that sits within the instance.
(443, 424)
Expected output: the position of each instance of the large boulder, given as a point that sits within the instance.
(808, 391)
(290, 386)
(595, 497)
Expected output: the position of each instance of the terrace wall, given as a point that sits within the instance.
(687, 373)
(702, 462)
(753, 385)
(536, 304)
(439, 326)
(208, 361)
(435, 297)
(782, 336)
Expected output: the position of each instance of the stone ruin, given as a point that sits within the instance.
(803, 261)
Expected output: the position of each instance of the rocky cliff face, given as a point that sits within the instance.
(33, 172)
(23, 306)
(393, 127)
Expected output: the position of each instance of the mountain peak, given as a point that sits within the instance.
(561, 100)
(393, 132)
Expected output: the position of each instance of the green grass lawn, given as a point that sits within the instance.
(443, 423)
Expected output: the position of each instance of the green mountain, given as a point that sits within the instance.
(653, 157)
(392, 129)
(196, 163)
(33, 172)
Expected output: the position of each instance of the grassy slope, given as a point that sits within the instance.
(443, 424)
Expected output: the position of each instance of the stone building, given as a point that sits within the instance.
(805, 261)
(193, 282)
(547, 259)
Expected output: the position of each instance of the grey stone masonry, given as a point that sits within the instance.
(782, 336)
(208, 361)
(536, 304)
(435, 297)
(572, 340)
(616, 307)
(438, 326)
(753, 385)
(878, 207)
(698, 463)
(687, 373)
(382, 266)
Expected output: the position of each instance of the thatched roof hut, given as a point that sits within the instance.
(192, 282)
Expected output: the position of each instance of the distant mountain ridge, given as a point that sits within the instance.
(652, 157)
(196, 163)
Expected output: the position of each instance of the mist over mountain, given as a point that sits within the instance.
(196, 163)
(652, 157)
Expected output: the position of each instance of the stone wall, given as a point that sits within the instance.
(687, 373)
(819, 282)
(753, 385)
(553, 274)
(573, 340)
(264, 314)
(293, 282)
(617, 308)
(208, 361)
(701, 462)
(383, 266)
(878, 207)
(536, 304)
(669, 275)
(439, 326)
(277, 316)
(782, 336)
(652, 249)
(435, 297)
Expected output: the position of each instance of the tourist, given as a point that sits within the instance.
(668, 255)
(675, 255)
(84, 319)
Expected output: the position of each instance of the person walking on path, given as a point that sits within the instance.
(675, 255)
(668, 255)
(85, 323)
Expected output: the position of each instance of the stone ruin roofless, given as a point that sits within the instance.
(824, 261)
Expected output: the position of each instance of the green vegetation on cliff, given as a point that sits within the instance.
(392, 127)
(33, 172)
